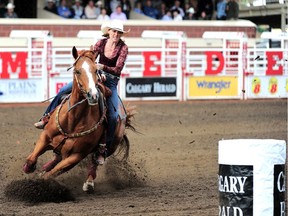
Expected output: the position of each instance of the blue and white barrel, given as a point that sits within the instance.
(251, 177)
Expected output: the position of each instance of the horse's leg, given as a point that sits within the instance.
(52, 163)
(88, 186)
(64, 165)
(40, 148)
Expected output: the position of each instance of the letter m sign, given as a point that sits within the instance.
(16, 65)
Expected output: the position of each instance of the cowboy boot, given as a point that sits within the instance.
(43, 121)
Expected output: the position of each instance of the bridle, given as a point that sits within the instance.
(83, 91)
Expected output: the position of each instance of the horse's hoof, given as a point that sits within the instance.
(29, 168)
(88, 187)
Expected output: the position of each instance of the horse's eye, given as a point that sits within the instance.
(77, 72)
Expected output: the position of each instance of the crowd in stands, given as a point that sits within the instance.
(91, 10)
(156, 9)
(120, 9)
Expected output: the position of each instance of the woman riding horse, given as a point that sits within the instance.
(112, 52)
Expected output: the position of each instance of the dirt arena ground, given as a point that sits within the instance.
(173, 164)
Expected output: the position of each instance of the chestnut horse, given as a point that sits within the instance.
(78, 124)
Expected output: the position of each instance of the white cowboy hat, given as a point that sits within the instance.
(114, 24)
(10, 6)
(99, 3)
(191, 10)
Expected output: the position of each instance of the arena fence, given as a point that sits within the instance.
(172, 71)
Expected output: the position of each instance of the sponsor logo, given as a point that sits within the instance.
(235, 185)
(151, 87)
(218, 86)
(256, 86)
(273, 85)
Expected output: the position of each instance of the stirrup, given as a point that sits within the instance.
(101, 154)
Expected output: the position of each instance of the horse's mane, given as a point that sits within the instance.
(87, 53)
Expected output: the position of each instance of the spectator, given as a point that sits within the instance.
(138, 7)
(177, 6)
(78, 10)
(51, 7)
(221, 10)
(167, 16)
(205, 10)
(63, 10)
(114, 4)
(98, 6)
(103, 15)
(118, 14)
(190, 14)
(150, 11)
(194, 4)
(163, 11)
(176, 15)
(2, 9)
(126, 7)
(91, 11)
(186, 8)
(10, 11)
(232, 10)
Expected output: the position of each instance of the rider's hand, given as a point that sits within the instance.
(103, 77)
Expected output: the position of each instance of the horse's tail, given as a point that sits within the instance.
(130, 112)
(124, 145)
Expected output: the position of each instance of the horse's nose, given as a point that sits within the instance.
(92, 94)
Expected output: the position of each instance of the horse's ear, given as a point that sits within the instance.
(92, 49)
(74, 52)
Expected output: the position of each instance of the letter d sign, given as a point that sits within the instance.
(209, 58)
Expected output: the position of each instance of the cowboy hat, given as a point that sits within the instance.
(10, 6)
(115, 25)
(99, 3)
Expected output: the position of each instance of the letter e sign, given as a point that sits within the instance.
(151, 68)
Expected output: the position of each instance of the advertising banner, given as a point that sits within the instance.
(235, 190)
(21, 90)
(151, 87)
(213, 86)
(267, 87)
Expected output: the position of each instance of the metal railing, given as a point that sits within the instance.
(260, 2)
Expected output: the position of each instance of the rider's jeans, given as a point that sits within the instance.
(112, 103)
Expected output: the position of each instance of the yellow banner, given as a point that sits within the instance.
(213, 86)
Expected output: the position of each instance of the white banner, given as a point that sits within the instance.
(21, 90)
